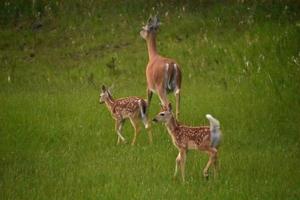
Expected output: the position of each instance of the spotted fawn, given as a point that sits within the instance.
(202, 138)
(134, 108)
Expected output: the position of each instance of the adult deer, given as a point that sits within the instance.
(202, 138)
(163, 74)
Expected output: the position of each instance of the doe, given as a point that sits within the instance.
(163, 74)
(202, 138)
(134, 108)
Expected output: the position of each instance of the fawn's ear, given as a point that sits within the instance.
(156, 21)
(169, 107)
(108, 92)
(161, 106)
(103, 88)
(150, 19)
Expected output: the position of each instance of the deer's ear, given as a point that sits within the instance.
(103, 88)
(161, 105)
(150, 19)
(169, 107)
(155, 20)
(108, 91)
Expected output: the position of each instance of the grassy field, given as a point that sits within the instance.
(240, 62)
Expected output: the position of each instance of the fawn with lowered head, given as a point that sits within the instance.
(202, 138)
(134, 108)
(163, 74)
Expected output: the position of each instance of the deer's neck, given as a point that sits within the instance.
(151, 45)
(110, 103)
(172, 125)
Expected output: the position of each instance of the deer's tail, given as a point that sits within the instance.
(143, 109)
(214, 130)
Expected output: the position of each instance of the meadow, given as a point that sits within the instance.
(240, 63)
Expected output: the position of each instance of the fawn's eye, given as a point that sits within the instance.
(162, 114)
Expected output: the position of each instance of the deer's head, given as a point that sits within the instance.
(105, 95)
(165, 114)
(151, 27)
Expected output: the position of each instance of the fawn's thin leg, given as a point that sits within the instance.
(177, 164)
(137, 129)
(215, 163)
(212, 154)
(177, 100)
(119, 126)
(182, 163)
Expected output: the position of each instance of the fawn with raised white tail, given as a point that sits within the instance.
(134, 108)
(163, 74)
(202, 138)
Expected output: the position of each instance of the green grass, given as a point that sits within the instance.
(240, 62)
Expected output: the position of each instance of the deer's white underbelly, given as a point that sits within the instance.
(192, 145)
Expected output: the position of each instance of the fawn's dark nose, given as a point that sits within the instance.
(154, 120)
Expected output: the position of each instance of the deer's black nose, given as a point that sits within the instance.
(154, 120)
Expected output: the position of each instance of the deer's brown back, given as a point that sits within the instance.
(192, 137)
(126, 107)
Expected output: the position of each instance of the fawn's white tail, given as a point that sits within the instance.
(213, 121)
(215, 130)
(143, 109)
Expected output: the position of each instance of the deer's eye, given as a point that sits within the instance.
(162, 114)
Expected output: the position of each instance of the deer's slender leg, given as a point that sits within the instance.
(212, 155)
(177, 164)
(205, 171)
(119, 139)
(119, 126)
(182, 163)
(215, 162)
(162, 96)
(149, 132)
(137, 129)
(177, 100)
(149, 97)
